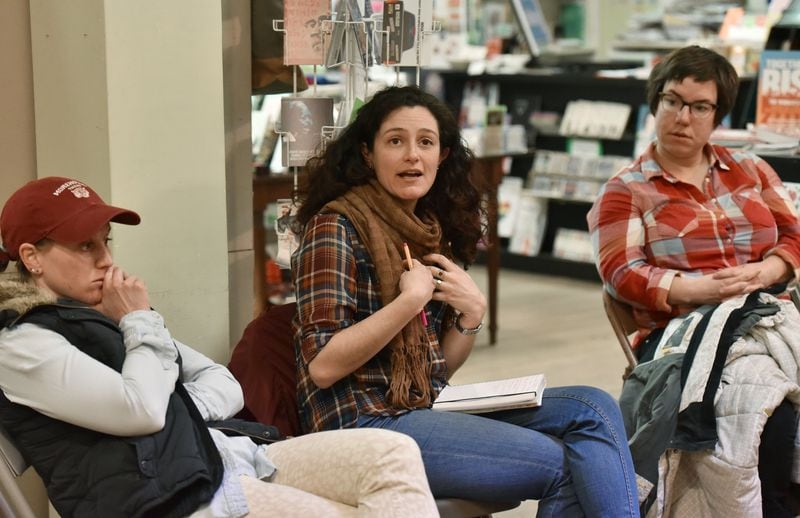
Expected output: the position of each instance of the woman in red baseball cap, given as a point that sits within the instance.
(114, 413)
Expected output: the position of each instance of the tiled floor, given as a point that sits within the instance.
(551, 325)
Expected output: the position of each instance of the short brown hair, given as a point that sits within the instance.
(699, 63)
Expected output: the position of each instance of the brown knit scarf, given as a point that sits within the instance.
(383, 226)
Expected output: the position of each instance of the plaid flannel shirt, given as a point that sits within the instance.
(336, 286)
(647, 227)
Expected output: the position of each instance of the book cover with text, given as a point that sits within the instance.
(302, 120)
(778, 102)
(302, 21)
(408, 31)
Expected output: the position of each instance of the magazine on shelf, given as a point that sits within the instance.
(491, 396)
(302, 22)
(778, 99)
(302, 120)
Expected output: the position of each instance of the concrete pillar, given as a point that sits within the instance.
(131, 98)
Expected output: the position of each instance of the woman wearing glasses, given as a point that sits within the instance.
(690, 223)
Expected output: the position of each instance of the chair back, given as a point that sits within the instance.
(12, 501)
(620, 315)
(264, 364)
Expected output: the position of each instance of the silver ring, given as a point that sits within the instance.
(438, 282)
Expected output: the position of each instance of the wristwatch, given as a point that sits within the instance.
(468, 331)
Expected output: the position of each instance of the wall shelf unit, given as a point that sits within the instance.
(550, 91)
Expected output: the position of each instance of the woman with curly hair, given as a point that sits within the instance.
(377, 339)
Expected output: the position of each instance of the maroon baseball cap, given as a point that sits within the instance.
(61, 209)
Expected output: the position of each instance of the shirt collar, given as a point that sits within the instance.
(651, 169)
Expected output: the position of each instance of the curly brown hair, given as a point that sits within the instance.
(699, 63)
(454, 199)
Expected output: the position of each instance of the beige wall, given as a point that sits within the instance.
(17, 142)
(238, 162)
(132, 98)
(149, 102)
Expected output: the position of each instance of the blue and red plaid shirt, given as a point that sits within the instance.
(647, 227)
(336, 286)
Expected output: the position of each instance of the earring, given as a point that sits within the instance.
(37, 271)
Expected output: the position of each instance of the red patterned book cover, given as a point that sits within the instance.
(303, 23)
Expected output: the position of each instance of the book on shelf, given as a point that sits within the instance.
(494, 130)
(645, 130)
(573, 244)
(794, 193)
(508, 195)
(492, 396)
(778, 99)
(528, 233)
(288, 231)
(598, 119)
(302, 22)
(350, 39)
(302, 120)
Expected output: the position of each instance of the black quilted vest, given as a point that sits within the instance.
(169, 473)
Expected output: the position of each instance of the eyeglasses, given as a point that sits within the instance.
(673, 103)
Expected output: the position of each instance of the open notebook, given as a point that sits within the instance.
(490, 396)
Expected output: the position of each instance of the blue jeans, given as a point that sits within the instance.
(571, 454)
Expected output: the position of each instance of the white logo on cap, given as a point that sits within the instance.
(76, 188)
(80, 192)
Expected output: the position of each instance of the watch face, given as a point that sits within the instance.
(472, 331)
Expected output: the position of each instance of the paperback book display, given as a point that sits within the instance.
(778, 104)
(556, 174)
(598, 119)
(302, 120)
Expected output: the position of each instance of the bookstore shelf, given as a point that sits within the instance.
(550, 264)
(550, 91)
